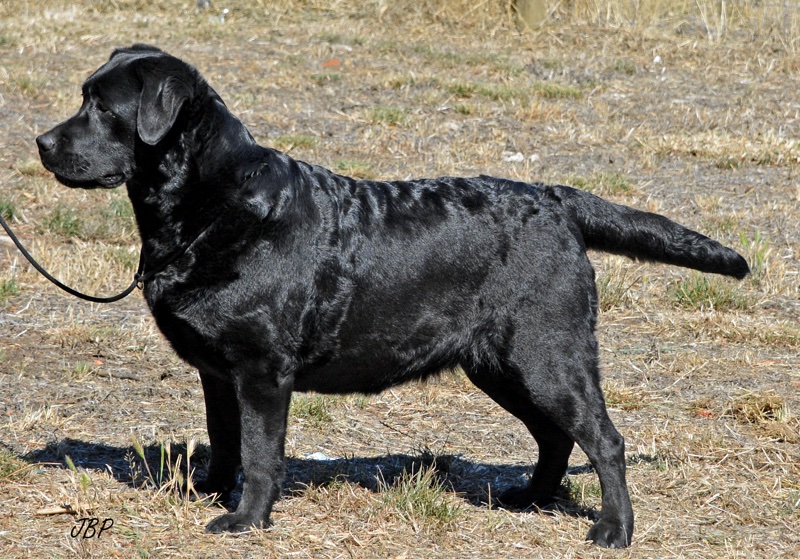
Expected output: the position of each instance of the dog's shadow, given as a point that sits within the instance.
(477, 483)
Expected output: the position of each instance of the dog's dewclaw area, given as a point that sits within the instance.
(676, 108)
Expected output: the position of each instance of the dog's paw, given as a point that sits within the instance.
(213, 492)
(610, 533)
(516, 497)
(234, 522)
(523, 497)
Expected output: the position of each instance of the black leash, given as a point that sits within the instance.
(138, 278)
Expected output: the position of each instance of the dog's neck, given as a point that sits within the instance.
(173, 210)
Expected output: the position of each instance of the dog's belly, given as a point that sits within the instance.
(373, 373)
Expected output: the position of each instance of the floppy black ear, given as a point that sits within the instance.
(159, 106)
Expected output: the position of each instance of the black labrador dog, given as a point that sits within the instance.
(271, 275)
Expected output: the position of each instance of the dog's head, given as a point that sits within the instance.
(131, 101)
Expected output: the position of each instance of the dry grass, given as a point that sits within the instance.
(713, 20)
(653, 107)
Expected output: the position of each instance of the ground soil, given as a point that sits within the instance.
(704, 385)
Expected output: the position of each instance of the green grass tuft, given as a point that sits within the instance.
(121, 207)
(582, 489)
(31, 86)
(11, 467)
(171, 478)
(613, 288)
(461, 89)
(756, 252)
(325, 78)
(624, 66)
(699, 292)
(8, 288)
(287, 142)
(314, 408)
(550, 90)
(604, 184)
(8, 209)
(390, 116)
(31, 168)
(64, 221)
(355, 169)
(421, 499)
(495, 92)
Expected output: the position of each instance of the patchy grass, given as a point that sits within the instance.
(30, 86)
(31, 168)
(462, 89)
(728, 151)
(769, 415)
(623, 66)
(604, 184)
(112, 222)
(8, 209)
(423, 88)
(494, 92)
(550, 90)
(355, 168)
(171, 476)
(64, 221)
(12, 469)
(614, 287)
(618, 395)
(389, 116)
(759, 408)
(8, 288)
(699, 292)
(422, 499)
(756, 251)
(311, 408)
(288, 142)
(325, 78)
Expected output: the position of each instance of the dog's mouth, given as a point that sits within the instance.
(106, 181)
(76, 172)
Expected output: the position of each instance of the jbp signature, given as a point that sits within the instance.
(87, 527)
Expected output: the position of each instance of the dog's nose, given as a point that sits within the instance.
(46, 142)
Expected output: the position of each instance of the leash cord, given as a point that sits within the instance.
(138, 277)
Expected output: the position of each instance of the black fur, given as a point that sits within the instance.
(272, 275)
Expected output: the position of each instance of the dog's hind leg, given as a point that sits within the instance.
(549, 379)
(562, 382)
(554, 451)
(605, 447)
(222, 419)
(555, 446)
(263, 399)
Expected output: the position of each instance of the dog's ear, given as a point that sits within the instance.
(159, 106)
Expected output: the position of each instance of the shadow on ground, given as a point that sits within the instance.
(475, 482)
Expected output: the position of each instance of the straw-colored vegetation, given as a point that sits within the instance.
(683, 108)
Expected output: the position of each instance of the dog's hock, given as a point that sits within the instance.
(159, 106)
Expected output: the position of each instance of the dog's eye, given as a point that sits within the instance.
(101, 107)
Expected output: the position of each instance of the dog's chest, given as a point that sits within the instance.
(265, 318)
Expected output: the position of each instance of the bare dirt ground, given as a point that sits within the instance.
(701, 373)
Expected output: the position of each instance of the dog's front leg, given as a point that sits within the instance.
(263, 400)
(222, 420)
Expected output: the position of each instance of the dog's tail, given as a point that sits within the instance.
(622, 230)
